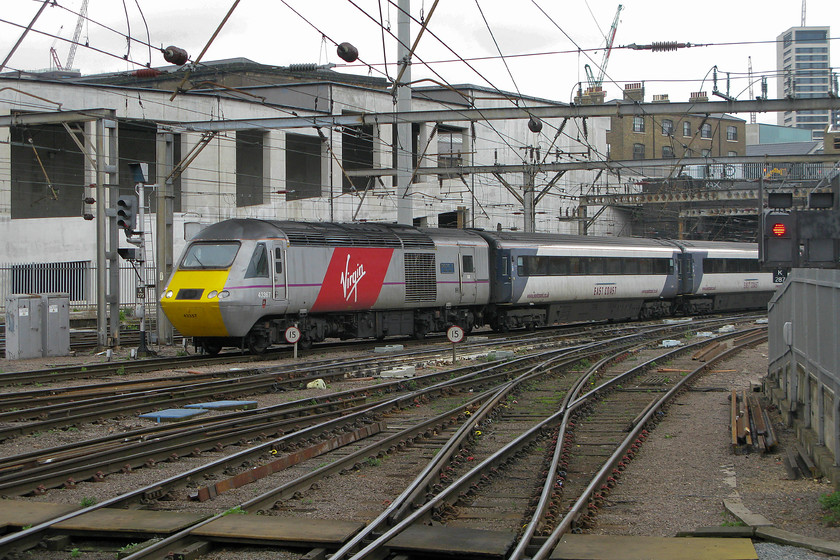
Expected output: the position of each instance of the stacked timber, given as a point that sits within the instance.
(751, 427)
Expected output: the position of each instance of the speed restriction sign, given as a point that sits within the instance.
(292, 335)
(455, 334)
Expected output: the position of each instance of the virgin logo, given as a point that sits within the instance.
(350, 280)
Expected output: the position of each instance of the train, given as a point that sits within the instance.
(244, 282)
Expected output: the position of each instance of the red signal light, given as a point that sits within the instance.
(779, 229)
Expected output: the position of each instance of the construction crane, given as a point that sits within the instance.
(76, 35)
(602, 69)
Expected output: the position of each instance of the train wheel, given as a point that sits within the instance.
(420, 331)
(305, 342)
(257, 342)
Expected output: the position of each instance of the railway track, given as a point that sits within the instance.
(482, 396)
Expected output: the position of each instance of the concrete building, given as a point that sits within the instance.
(673, 136)
(299, 173)
(803, 62)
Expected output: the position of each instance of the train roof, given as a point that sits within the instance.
(324, 234)
(725, 246)
(521, 239)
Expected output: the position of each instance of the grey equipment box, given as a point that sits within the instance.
(55, 316)
(23, 326)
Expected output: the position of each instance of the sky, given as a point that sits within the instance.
(557, 37)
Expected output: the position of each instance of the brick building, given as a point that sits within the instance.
(673, 136)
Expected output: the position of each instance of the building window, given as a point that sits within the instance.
(732, 154)
(686, 128)
(249, 167)
(667, 127)
(47, 173)
(450, 147)
(667, 152)
(706, 153)
(356, 153)
(731, 133)
(303, 166)
(706, 131)
(638, 124)
(638, 151)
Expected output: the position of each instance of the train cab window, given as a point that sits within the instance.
(467, 265)
(210, 255)
(258, 267)
(278, 260)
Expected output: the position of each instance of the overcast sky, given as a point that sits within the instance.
(267, 31)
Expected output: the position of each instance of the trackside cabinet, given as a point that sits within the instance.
(55, 321)
(23, 326)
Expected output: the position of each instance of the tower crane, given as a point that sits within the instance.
(76, 34)
(750, 80)
(595, 82)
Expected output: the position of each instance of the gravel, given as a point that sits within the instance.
(677, 482)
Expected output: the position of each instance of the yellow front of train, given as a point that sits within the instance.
(192, 298)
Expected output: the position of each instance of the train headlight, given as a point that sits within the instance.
(223, 294)
(212, 294)
(169, 294)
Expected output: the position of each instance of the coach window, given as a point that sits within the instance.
(258, 267)
(467, 264)
(613, 266)
(558, 266)
(278, 260)
(520, 266)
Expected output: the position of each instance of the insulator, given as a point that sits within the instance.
(175, 55)
(89, 200)
(308, 67)
(147, 73)
(534, 124)
(664, 46)
(347, 52)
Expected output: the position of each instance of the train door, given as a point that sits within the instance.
(278, 253)
(686, 273)
(467, 280)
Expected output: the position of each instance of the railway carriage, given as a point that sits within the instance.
(722, 276)
(546, 279)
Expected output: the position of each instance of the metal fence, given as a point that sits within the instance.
(804, 351)
(77, 278)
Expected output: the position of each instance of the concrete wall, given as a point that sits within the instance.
(803, 374)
